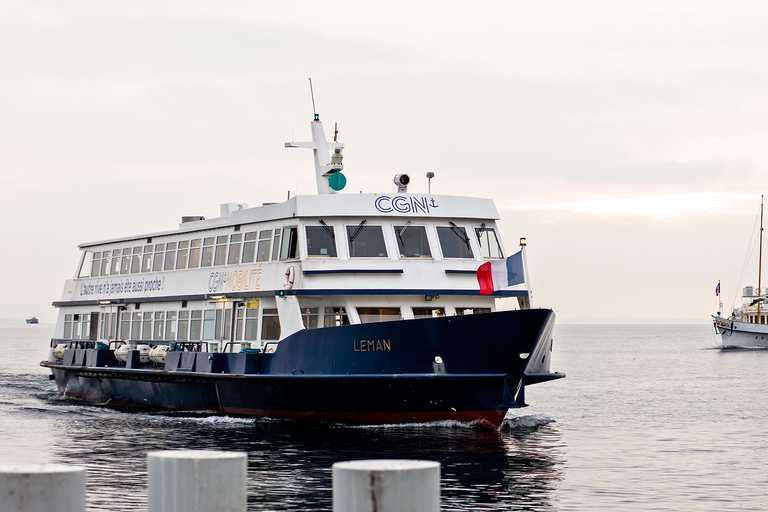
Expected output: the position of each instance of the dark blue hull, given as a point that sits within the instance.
(466, 368)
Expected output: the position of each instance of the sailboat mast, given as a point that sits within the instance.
(760, 262)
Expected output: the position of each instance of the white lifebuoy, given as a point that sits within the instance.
(290, 275)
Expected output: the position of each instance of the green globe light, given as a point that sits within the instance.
(337, 181)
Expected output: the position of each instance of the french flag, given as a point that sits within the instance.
(498, 274)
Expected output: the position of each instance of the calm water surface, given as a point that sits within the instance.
(649, 418)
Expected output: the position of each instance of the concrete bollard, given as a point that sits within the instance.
(196, 481)
(386, 486)
(38, 487)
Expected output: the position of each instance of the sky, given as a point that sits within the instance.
(625, 140)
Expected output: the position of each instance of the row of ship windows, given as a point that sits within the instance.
(210, 324)
(364, 241)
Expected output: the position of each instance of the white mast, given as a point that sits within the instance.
(325, 165)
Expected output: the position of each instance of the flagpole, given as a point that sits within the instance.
(527, 300)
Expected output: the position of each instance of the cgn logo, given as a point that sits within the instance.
(404, 204)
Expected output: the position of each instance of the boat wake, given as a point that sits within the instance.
(530, 422)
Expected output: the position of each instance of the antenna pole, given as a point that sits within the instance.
(760, 261)
(312, 92)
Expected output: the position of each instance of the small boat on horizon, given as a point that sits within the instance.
(32, 320)
(747, 325)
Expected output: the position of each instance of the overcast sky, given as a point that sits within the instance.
(628, 141)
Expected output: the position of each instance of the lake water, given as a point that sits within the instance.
(649, 418)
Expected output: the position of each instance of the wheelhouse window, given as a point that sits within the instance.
(321, 241)
(412, 241)
(290, 247)
(428, 312)
(335, 317)
(454, 242)
(270, 325)
(489, 242)
(86, 269)
(366, 241)
(105, 259)
(370, 315)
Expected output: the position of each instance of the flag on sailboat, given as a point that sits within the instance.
(717, 290)
(498, 274)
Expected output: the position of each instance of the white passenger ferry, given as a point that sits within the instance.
(351, 308)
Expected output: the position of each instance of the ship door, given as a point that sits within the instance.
(93, 335)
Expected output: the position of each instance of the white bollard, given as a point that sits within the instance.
(196, 481)
(386, 486)
(38, 487)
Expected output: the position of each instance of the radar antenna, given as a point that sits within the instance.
(312, 93)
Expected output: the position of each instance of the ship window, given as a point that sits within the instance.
(472, 311)
(136, 327)
(104, 263)
(195, 325)
(85, 332)
(321, 241)
(125, 263)
(276, 245)
(136, 260)
(251, 324)
(181, 258)
(265, 238)
(181, 333)
(454, 242)
(170, 325)
(87, 265)
(146, 327)
(209, 323)
(158, 331)
(194, 253)
(207, 252)
(412, 241)
(290, 249)
(95, 264)
(335, 316)
(170, 256)
(428, 312)
(67, 326)
(115, 268)
(221, 250)
(76, 327)
(157, 261)
(125, 325)
(249, 247)
(234, 249)
(146, 259)
(489, 242)
(270, 325)
(366, 241)
(309, 317)
(370, 315)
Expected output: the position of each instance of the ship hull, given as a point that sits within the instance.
(471, 368)
(737, 334)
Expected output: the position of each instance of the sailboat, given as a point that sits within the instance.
(747, 325)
